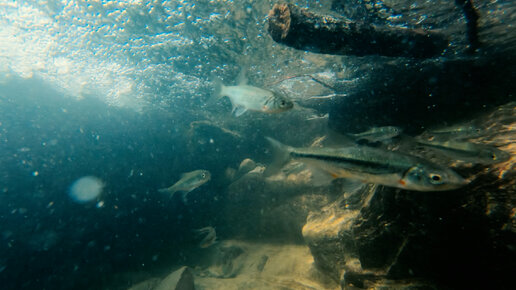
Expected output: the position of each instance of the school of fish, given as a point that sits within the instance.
(364, 161)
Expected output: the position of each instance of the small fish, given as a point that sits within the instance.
(210, 237)
(466, 151)
(318, 117)
(377, 134)
(459, 130)
(372, 165)
(244, 97)
(188, 182)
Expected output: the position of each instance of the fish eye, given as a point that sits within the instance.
(203, 175)
(283, 103)
(491, 155)
(435, 177)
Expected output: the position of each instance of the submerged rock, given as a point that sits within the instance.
(253, 265)
(181, 279)
(226, 261)
(149, 284)
(246, 165)
(257, 207)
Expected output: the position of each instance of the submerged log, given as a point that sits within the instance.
(301, 29)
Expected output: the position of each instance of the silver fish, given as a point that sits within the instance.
(466, 151)
(457, 131)
(244, 97)
(372, 165)
(377, 134)
(188, 182)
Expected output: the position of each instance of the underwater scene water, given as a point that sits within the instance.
(345, 144)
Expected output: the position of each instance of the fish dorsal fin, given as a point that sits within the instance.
(336, 139)
(242, 79)
(239, 110)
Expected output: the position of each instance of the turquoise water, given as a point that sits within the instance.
(121, 91)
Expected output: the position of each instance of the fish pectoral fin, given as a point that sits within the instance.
(239, 110)
(163, 190)
(184, 196)
(242, 79)
(352, 185)
(320, 177)
(169, 190)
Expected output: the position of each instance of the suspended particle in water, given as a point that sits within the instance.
(86, 189)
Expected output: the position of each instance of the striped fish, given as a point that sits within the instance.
(371, 165)
(466, 151)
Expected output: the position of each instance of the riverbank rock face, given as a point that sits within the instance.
(381, 236)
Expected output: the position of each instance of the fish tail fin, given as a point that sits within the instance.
(168, 190)
(281, 156)
(242, 79)
(219, 90)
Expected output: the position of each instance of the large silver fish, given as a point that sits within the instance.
(466, 151)
(188, 182)
(244, 97)
(372, 165)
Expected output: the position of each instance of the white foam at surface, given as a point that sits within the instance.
(89, 49)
